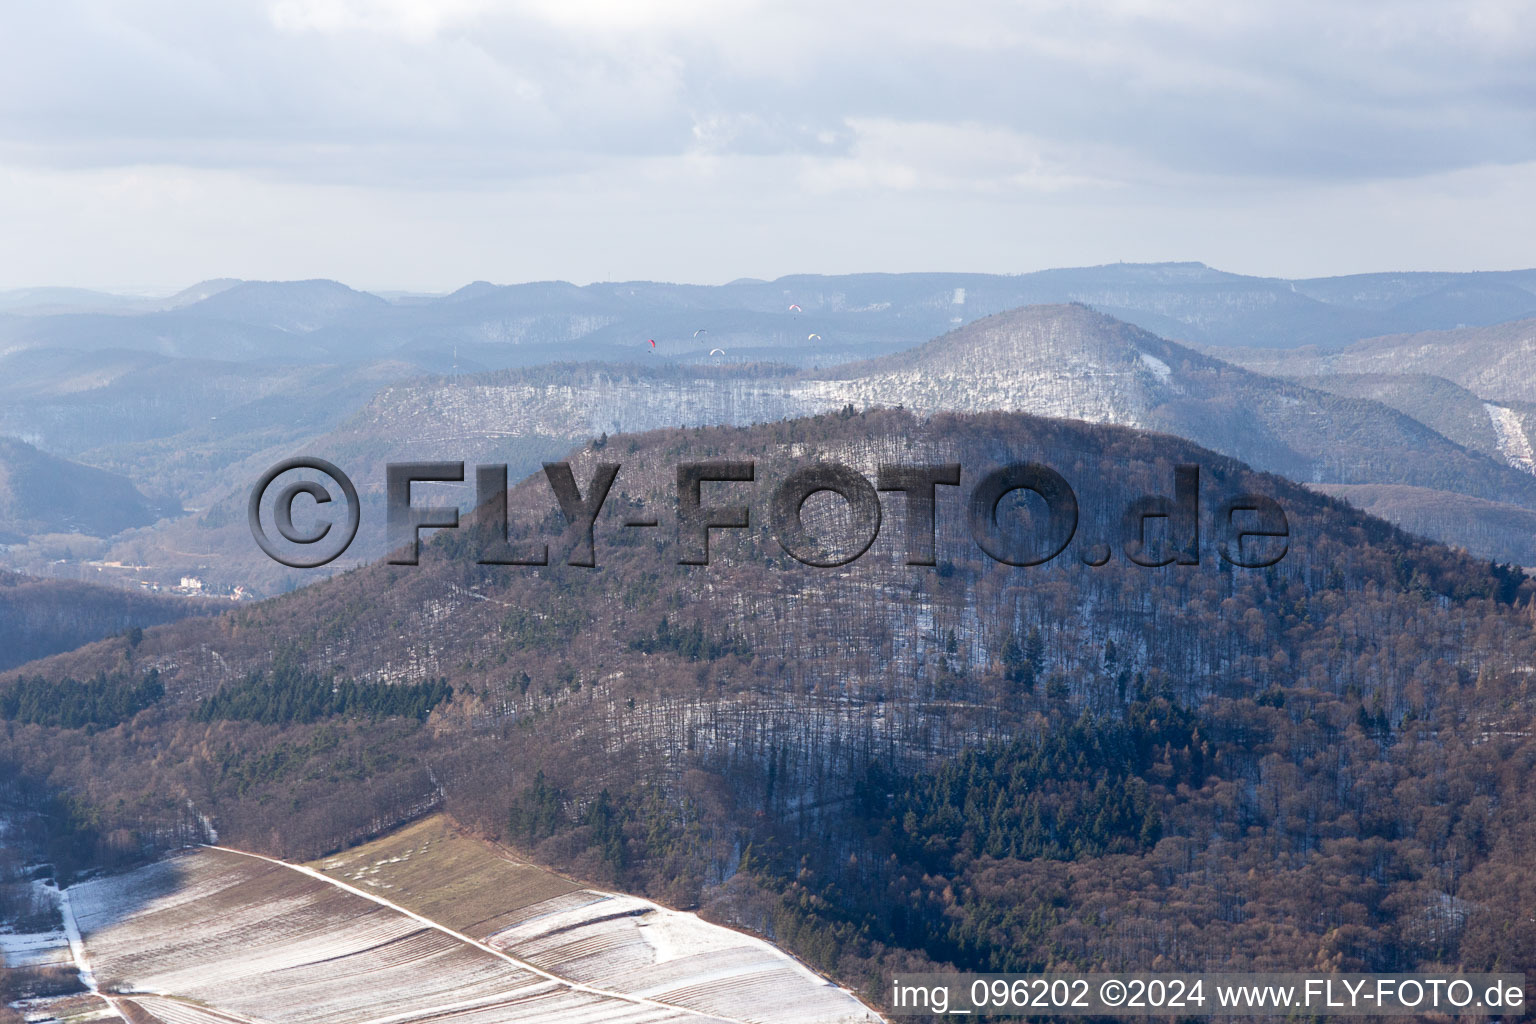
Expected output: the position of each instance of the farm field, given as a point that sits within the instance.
(40, 949)
(610, 941)
(83, 1008)
(427, 924)
(440, 872)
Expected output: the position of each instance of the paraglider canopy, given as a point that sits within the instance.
(653, 342)
(717, 351)
(794, 308)
(814, 337)
(699, 332)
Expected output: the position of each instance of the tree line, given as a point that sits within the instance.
(101, 702)
(288, 695)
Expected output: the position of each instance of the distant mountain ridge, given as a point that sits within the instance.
(1048, 360)
(1496, 362)
(176, 421)
(1071, 361)
(41, 493)
(228, 376)
(1476, 385)
(1059, 361)
(485, 326)
(52, 301)
(297, 306)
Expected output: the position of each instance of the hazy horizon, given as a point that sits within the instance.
(166, 290)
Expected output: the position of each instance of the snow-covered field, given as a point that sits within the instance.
(36, 949)
(609, 941)
(215, 935)
(43, 949)
(262, 941)
(623, 942)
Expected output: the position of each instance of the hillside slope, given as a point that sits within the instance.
(41, 617)
(41, 493)
(1497, 363)
(201, 399)
(1071, 361)
(1063, 361)
(1470, 523)
(1445, 407)
(883, 766)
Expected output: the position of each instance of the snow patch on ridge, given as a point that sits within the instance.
(1163, 370)
(1513, 444)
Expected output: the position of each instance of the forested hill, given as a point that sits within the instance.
(40, 493)
(1323, 763)
(39, 617)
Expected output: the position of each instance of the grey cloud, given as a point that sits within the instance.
(1295, 90)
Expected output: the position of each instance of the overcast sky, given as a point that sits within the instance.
(425, 143)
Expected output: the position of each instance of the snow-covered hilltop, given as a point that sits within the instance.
(1065, 361)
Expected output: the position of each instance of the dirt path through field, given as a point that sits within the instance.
(77, 952)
